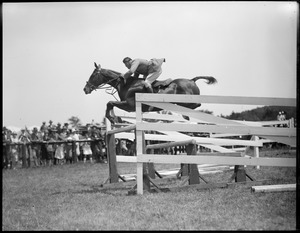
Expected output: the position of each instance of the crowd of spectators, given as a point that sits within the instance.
(52, 145)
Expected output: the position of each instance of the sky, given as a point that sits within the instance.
(49, 50)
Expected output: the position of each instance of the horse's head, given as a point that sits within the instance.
(94, 81)
(99, 78)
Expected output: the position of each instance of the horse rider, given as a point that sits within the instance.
(151, 70)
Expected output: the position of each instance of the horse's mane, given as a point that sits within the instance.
(112, 71)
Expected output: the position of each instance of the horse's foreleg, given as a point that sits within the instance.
(124, 105)
(108, 115)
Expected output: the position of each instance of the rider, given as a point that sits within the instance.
(151, 70)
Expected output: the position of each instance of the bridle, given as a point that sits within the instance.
(109, 90)
(91, 86)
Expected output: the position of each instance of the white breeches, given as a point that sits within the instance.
(153, 76)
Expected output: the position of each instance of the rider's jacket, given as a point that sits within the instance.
(144, 67)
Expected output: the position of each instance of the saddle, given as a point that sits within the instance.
(162, 83)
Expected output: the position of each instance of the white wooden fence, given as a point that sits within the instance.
(210, 124)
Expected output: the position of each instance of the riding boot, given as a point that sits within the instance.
(124, 79)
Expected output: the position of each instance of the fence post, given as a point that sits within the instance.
(193, 171)
(146, 166)
(112, 159)
(256, 150)
(151, 170)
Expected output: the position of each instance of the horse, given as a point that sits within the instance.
(126, 91)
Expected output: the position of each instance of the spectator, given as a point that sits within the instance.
(96, 144)
(50, 126)
(14, 150)
(35, 147)
(59, 128)
(66, 125)
(75, 137)
(69, 150)
(60, 149)
(86, 147)
(43, 128)
(25, 151)
(44, 152)
(50, 147)
(281, 117)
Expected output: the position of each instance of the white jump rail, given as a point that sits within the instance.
(273, 188)
(214, 125)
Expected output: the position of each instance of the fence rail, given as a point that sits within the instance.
(50, 142)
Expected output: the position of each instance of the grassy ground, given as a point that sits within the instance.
(70, 197)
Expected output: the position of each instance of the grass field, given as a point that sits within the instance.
(70, 197)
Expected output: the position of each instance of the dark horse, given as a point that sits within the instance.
(101, 77)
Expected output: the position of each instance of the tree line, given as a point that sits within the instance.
(266, 113)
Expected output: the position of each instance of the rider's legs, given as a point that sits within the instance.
(148, 87)
(151, 78)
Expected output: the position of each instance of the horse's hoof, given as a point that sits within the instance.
(186, 117)
(150, 109)
(112, 121)
(119, 120)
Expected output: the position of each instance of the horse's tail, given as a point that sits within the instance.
(210, 80)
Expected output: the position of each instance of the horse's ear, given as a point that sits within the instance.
(97, 66)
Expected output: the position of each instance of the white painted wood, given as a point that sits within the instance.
(274, 188)
(220, 159)
(216, 99)
(263, 123)
(139, 181)
(256, 150)
(139, 150)
(170, 144)
(222, 135)
(129, 136)
(174, 136)
(217, 148)
(240, 149)
(292, 141)
(126, 159)
(192, 113)
(122, 129)
(244, 130)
